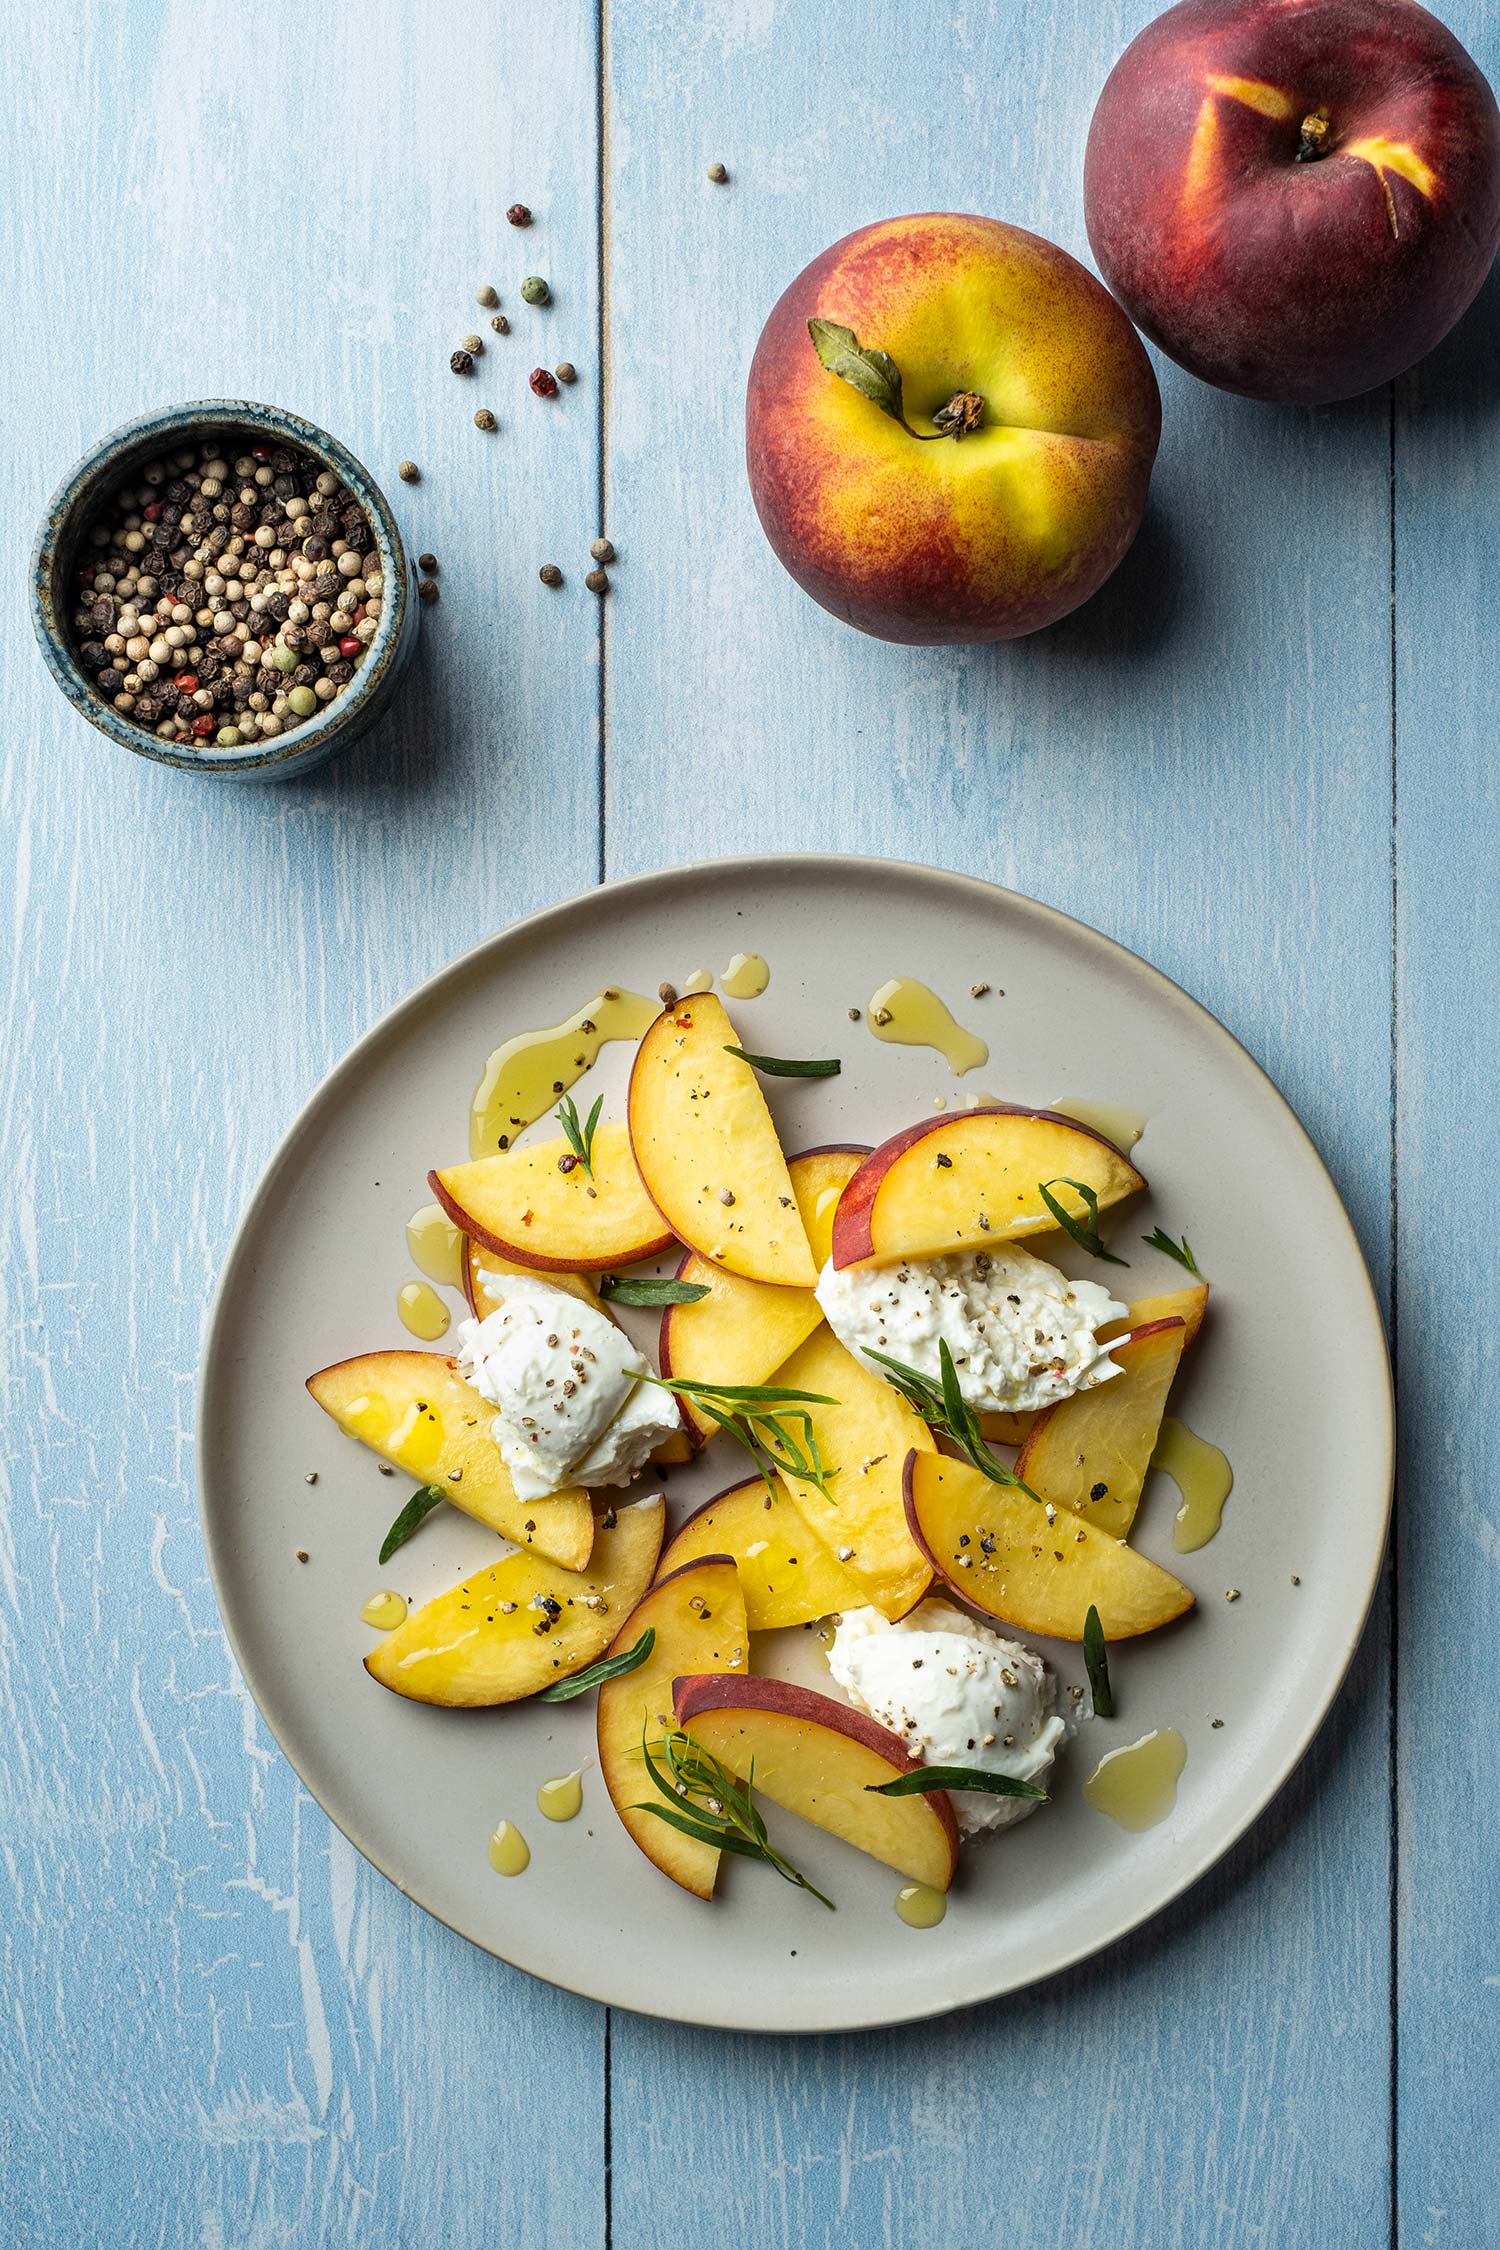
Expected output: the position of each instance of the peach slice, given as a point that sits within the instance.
(1187, 1305)
(1091, 1452)
(998, 1552)
(743, 1330)
(523, 1624)
(698, 1614)
(480, 1260)
(416, 1410)
(821, 1759)
(525, 1206)
(862, 1439)
(707, 1148)
(961, 1183)
(787, 1574)
(1003, 1427)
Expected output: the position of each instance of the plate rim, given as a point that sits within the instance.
(331, 1088)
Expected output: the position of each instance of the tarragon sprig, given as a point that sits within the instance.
(943, 1406)
(581, 1137)
(1084, 1232)
(1096, 1658)
(755, 1417)
(1181, 1251)
(705, 1800)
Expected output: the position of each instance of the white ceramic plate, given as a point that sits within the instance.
(1290, 1377)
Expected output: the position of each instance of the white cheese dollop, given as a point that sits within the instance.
(560, 1376)
(1021, 1333)
(957, 1694)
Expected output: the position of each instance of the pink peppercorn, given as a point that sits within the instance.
(543, 382)
(186, 683)
(349, 646)
(152, 512)
(204, 727)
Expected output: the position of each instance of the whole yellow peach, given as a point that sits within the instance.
(958, 447)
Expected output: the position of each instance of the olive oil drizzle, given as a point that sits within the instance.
(1137, 1785)
(1123, 1127)
(1202, 1475)
(422, 1311)
(911, 1015)
(525, 1075)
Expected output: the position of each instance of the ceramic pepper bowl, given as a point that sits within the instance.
(82, 498)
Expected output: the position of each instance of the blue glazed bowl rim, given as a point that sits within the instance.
(80, 493)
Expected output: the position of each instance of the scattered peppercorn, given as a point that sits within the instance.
(474, 344)
(485, 420)
(978, 991)
(597, 581)
(550, 575)
(717, 174)
(427, 563)
(487, 296)
(565, 371)
(543, 382)
(462, 363)
(535, 290)
(854, 1015)
(602, 551)
(500, 325)
(667, 995)
(408, 472)
(428, 589)
(518, 215)
(302, 1555)
(311, 1477)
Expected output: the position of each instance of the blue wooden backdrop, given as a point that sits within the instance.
(1262, 757)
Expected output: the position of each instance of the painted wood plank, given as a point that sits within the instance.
(1199, 764)
(1447, 1515)
(222, 2028)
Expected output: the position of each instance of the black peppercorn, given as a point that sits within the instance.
(305, 675)
(518, 215)
(339, 672)
(462, 363)
(93, 653)
(429, 589)
(550, 575)
(111, 680)
(427, 563)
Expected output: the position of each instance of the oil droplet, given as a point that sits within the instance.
(385, 1611)
(746, 977)
(921, 1906)
(436, 1245)
(701, 980)
(911, 1015)
(562, 1798)
(422, 1311)
(510, 1854)
(524, 1077)
(1201, 1474)
(1122, 1126)
(1137, 1786)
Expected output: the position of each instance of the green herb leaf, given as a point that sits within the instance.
(705, 1800)
(943, 1406)
(1181, 1251)
(418, 1508)
(777, 1066)
(874, 374)
(1096, 1657)
(927, 1778)
(1085, 1233)
(624, 1291)
(607, 1668)
(755, 1415)
(581, 1137)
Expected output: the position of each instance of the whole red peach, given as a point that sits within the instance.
(1296, 199)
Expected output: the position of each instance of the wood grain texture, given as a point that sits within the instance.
(1198, 763)
(1448, 1515)
(222, 2028)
